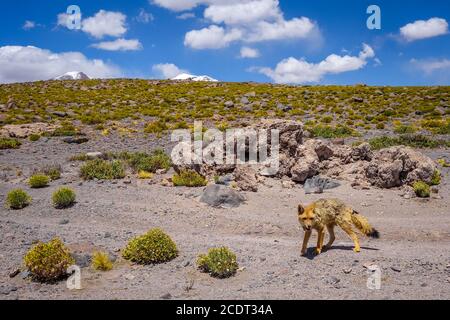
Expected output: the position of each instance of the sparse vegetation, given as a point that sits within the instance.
(63, 198)
(34, 137)
(38, 181)
(17, 199)
(8, 143)
(443, 163)
(158, 159)
(189, 178)
(329, 132)
(101, 261)
(219, 262)
(53, 171)
(153, 247)
(102, 170)
(436, 179)
(422, 189)
(414, 141)
(48, 262)
(144, 175)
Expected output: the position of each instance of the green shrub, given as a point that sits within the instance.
(102, 170)
(63, 198)
(17, 199)
(65, 130)
(34, 137)
(219, 262)
(38, 181)
(150, 163)
(153, 247)
(422, 189)
(329, 132)
(52, 171)
(436, 178)
(48, 262)
(156, 127)
(414, 141)
(7, 143)
(443, 163)
(405, 129)
(189, 178)
(101, 261)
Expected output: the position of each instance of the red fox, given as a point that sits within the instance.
(327, 213)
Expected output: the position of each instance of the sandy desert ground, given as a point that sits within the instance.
(413, 252)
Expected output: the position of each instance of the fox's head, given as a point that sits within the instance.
(306, 217)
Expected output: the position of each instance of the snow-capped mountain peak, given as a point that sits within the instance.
(191, 77)
(73, 75)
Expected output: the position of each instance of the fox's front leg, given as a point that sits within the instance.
(305, 242)
(320, 237)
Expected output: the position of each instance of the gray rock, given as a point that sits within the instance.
(64, 221)
(244, 100)
(76, 140)
(225, 180)
(82, 260)
(94, 155)
(229, 104)
(221, 196)
(318, 184)
(60, 114)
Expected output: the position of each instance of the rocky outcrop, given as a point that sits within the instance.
(396, 166)
(246, 179)
(22, 131)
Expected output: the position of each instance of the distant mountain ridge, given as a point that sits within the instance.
(73, 75)
(191, 77)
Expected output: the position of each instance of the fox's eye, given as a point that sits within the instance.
(304, 219)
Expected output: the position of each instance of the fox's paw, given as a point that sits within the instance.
(304, 252)
(357, 250)
(318, 251)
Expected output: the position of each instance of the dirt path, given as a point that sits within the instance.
(413, 252)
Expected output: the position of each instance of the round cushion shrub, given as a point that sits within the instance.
(63, 198)
(219, 262)
(189, 178)
(48, 262)
(39, 181)
(422, 189)
(17, 199)
(153, 247)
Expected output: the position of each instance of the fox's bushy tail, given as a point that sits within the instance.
(363, 225)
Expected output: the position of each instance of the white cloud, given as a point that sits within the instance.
(186, 15)
(296, 71)
(177, 5)
(167, 70)
(241, 20)
(297, 28)
(247, 52)
(430, 66)
(119, 45)
(103, 23)
(21, 64)
(422, 29)
(29, 25)
(213, 37)
(144, 16)
(237, 13)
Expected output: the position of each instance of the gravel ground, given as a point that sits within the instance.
(413, 252)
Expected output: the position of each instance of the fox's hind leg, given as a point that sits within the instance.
(320, 237)
(348, 229)
(332, 237)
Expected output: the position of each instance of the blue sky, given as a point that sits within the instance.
(301, 42)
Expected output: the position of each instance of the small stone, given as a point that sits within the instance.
(76, 140)
(396, 269)
(129, 276)
(14, 273)
(348, 270)
(64, 221)
(166, 296)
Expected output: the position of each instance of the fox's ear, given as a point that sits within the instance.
(300, 209)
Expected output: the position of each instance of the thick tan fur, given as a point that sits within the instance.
(326, 214)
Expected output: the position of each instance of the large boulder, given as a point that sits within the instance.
(396, 166)
(245, 177)
(220, 196)
(22, 131)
